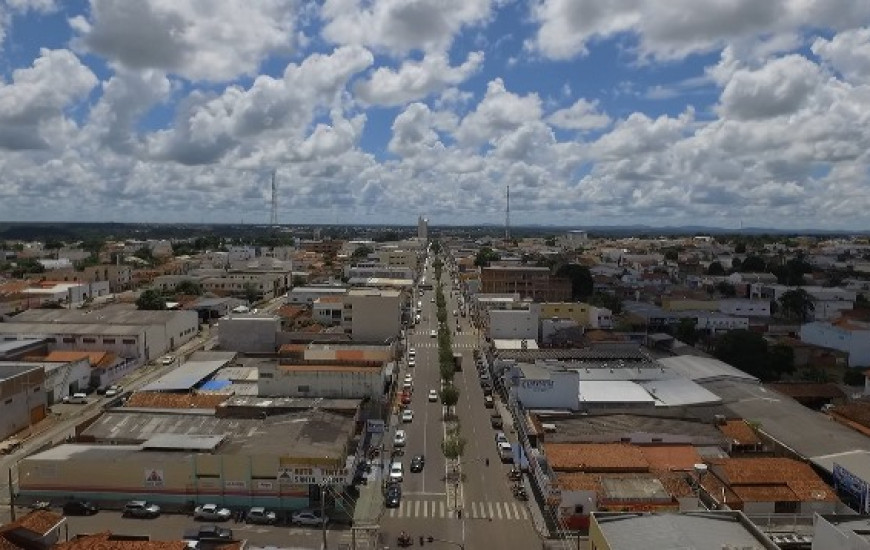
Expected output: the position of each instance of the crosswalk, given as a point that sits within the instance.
(426, 333)
(454, 346)
(476, 510)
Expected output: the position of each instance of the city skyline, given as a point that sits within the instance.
(701, 113)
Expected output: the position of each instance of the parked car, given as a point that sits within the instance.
(412, 362)
(397, 471)
(496, 421)
(209, 533)
(308, 517)
(433, 333)
(211, 512)
(168, 360)
(407, 416)
(141, 509)
(77, 399)
(412, 353)
(417, 463)
(393, 498)
(488, 402)
(79, 508)
(505, 451)
(406, 398)
(500, 437)
(399, 439)
(113, 390)
(260, 516)
(433, 396)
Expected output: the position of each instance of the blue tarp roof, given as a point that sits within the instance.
(214, 385)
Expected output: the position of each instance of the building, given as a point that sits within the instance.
(535, 283)
(65, 293)
(119, 277)
(249, 333)
(176, 459)
(308, 294)
(327, 310)
(422, 228)
(372, 315)
(120, 329)
(38, 529)
(851, 337)
(707, 530)
(62, 378)
(333, 381)
(23, 400)
(514, 324)
(842, 531)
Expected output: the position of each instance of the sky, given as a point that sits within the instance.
(723, 113)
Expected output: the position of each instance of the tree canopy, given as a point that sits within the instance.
(189, 287)
(150, 299)
(485, 256)
(796, 304)
(580, 277)
(748, 351)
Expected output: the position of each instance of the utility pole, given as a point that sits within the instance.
(323, 513)
(11, 497)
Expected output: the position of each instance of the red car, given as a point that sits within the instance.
(406, 399)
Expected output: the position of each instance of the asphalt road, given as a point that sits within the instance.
(491, 517)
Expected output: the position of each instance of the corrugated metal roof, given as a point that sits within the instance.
(200, 366)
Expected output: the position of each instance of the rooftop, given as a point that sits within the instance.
(739, 432)
(704, 369)
(163, 400)
(595, 457)
(615, 391)
(198, 367)
(113, 314)
(613, 427)
(40, 522)
(799, 477)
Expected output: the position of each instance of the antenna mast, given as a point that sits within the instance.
(273, 219)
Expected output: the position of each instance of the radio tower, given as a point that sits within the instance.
(273, 220)
(507, 218)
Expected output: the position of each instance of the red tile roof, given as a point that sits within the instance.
(595, 457)
(37, 521)
(739, 432)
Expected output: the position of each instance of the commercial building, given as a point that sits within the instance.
(372, 315)
(333, 381)
(522, 324)
(178, 459)
(843, 531)
(422, 228)
(327, 310)
(308, 294)
(64, 293)
(705, 530)
(585, 315)
(535, 283)
(23, 400)
(249, 333)
(851, 337)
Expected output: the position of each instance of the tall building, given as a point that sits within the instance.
(422, 228)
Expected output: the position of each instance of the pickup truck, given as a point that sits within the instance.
(496, 421)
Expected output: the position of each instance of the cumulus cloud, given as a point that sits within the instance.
(416, 80)
(848, 53)
(400, 26)
(778, 88)
(35, 99)
(676, 28)
(583, 115)
(498, 113)
(213, 41)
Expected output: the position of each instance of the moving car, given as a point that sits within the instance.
(79, 508)
(140, 509)
(168, 360)
(393, 497)
(433, 333)
(211, 512)
(397, 471)
(500, 437)
(496, 421)
(399, 439)
(260, 516)
(113, 390)
(407, 415)
(412, 353)
(433, 396)
(488, 402)
(417, 463)
(505, 451)
(412, 362)
(308, 517)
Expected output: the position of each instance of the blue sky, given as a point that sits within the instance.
(714, 112)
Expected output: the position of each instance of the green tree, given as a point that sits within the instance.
(686, 331)
(609, 301)
(485, 256)
(781, 359)
(453, 447)
(715, 268)
(580, 277)
(188, 287)
(550, 241)
(853, 377)
(361, 252)
(449, 397)
(796, 304)
(672, 255)
(150, 299)
(144, 253)
(27, 266)
(726, 289)
(748, 351)
(298, 280)
(792, 273)
(53, 244)
(251, 293)
(753, 264)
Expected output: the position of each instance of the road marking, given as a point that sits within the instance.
(489, 504)
(417, 508)
(474, 509)
(441, 507)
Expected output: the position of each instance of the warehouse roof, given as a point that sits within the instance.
(592, 457)
(679, 392)
(198, 367)
(696, 530)
(616, 391)
(114, 314)
(613, 427)
(63, 328)
(704, 369)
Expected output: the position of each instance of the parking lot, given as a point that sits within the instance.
(172, 527)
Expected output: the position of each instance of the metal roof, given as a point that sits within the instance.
(679, 392)
(200, 366)
(191, 442)
(704, 369)
(616, 391)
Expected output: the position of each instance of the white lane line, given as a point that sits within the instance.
(489, 504)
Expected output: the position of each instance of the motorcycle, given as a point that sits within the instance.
(520, 492)
(515, 475)
(41, 505)
(405, 540)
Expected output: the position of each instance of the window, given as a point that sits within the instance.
(89, 340)
(128, 341)
(578, 509)
(266, 375)
(108, 340)
(303, 389)
(69, 340)
(9, 401)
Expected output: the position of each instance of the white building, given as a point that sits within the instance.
(22, 397)
(308, 294)
(327, 310)
(372, 315)
(66, 293)
(422, 228)
(742, 307)
(249, 333)
(852, 337)
(828, 302)
(517, 324)
(600, 317)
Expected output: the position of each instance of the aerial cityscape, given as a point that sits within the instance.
(474, 274)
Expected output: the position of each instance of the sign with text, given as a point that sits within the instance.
(536, 385)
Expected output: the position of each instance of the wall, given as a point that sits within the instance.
(854, 342)
(353, 383)
(579, 312)
(373, 318)
(827, 536)
(20, 393)
(560, 391)
(75, 374)
(751, 308)
(248, 334)
(513, 324)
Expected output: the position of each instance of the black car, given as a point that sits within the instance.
(209, 533)
(417, 463)
(394, 496)
(79, 508)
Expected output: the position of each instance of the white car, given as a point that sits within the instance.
(433, 333)
(407, 415)
(400, 438)
(407, 386)
(412, 353)
(168, 360)
(211, 512)
(412, 363)
(409, 378)
(77, 399)
(500, 437)
(308, 517)
(397, 472)
(113, 391)
(433, 396)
